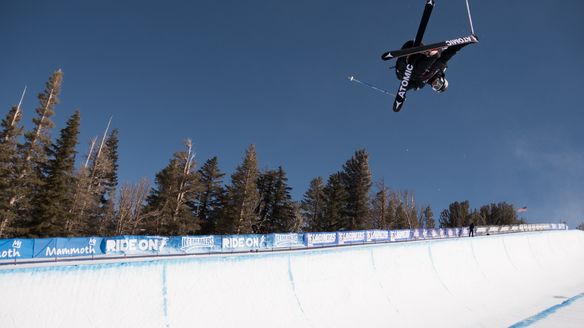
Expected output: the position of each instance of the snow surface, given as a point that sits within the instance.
(490, 281)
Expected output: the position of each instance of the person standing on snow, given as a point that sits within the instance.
(471, 229)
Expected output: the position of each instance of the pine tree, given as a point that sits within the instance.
(55, 199)
(335, 208)
(401, 217)
(170, 204)
(9, 163)
(457, 215)
(357, 181)
(35, 150)
(93, 208)
(108, 182)
(242, 198)
(208, 200)
(276, 213)
(427, 218)
(312, 206)
(382, 213)
(499, 214)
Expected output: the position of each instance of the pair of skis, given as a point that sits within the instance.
(416, 48)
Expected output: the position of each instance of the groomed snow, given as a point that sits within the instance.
(490, 281)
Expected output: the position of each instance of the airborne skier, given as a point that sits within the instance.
(418, 64)
(427, 68)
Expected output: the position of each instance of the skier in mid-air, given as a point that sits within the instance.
(419, 64)
(429, 67)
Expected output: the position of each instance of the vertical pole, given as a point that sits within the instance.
(469, 18)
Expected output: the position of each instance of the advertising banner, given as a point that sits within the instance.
(400, 235)
(320, 238)
(504, 229)
(432, 233)
(481, 230)
(71, 247)
(235, 243)
(350, 237)
(194, 245)
(377, 235)
(11, 249)
(286, 240)
(134, 245)
(419, 234)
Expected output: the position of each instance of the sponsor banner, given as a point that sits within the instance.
(399, 235)
(432, 233)
(71, 247)
(286, 240)
(320, 238)
(193, 245)
(464, 232)
(504, 229)
(350, 237)
(135, 245)
(441, 233)
(419, 234)
(11, 249)
(450, 232)
(514, 228)
(41, 244)
(481, 230)
(244, 242)
(377, 235)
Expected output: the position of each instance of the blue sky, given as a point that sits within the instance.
(274, 73)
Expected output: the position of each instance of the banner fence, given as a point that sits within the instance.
(19, 249)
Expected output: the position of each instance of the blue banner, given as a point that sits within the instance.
(377, 235)
(194, 245)
(419, 234)
(286, 240)
(41, 245)
(134, 245)
(351, 237)
(320, 238)
(91, 247)
(73, 247)
(16, 249)
(401, 235)
(244, 242)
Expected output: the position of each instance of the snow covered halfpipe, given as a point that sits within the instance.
(490, 281)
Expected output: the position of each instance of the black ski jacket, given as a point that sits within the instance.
(426, 68)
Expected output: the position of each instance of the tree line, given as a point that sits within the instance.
(44, 194)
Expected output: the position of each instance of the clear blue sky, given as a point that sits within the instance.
(274, 73)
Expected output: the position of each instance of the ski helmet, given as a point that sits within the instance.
(439, 84)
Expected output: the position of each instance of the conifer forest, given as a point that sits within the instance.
(47, 191)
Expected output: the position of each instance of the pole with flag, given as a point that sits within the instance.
(523, 210)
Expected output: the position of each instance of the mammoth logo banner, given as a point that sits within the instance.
(16, 249)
